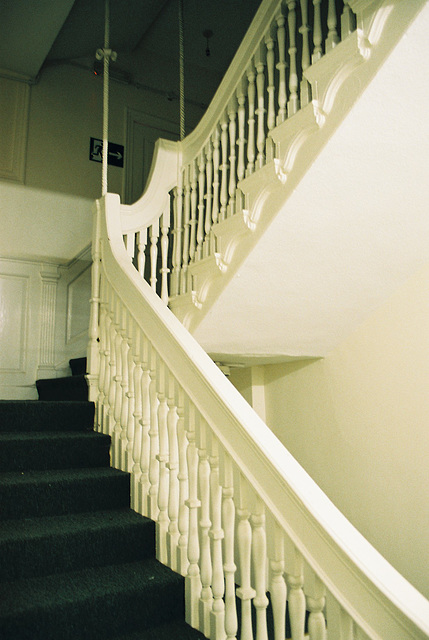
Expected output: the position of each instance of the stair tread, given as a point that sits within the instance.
(22, 436)
(34, 528)
(47, 477)
(21, 596)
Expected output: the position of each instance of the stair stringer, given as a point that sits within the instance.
(261, 195)
(337, 80)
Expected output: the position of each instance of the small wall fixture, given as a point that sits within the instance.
(207, 34)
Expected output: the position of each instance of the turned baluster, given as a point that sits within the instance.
(125, 347)
(93, 347)
(154, 235)
(193, 219)
(186, 230)
(333, 39)
(193, 579)
(251, 122)
(162, 457)
(281, 65)
(117, 402)
(136, 499)
(217, 615)
(178, 236)
(173, 470)
(260, 111)
(348, 21)
(241, 141)
(294, 576)
(317, 32)
(111, 378)
(304, 30)
(103, 358)
(232, 114)
(315, 598)
(259, 561)
(216, 183)
(130, 394)
(201, 207)
(209, 198)
(271, 112)
(141, 251)
(224, 167)
(183, 517)
(206, 599)
(293, 104)
(165, 227)
(145, 454)
(107, 365)
(278, 591)
(154, 441)
(245, 591)
(229, 567)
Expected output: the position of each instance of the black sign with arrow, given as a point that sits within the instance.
(115, 152)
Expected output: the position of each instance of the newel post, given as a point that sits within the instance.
(93, 351)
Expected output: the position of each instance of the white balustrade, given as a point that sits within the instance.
(214, 525)
(272, 87)
(235, 514)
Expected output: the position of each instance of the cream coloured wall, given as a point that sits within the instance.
(45, 207)
(358, 421)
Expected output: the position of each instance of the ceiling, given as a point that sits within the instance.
(40, 32)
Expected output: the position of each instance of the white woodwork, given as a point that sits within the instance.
(231, 455)
(45, 319)
(14, 312)
(231, 473)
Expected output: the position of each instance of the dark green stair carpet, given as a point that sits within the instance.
(76, 562)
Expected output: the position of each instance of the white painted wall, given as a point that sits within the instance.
(358, 420)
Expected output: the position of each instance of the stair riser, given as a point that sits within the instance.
(73, 388)
(46, 416)
(70, 552)
(30, 499)
(54, 454)
(98, 618)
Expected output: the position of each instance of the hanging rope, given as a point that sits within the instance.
(105, 54)
(181, 73)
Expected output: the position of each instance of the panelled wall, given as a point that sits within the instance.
(44, 316)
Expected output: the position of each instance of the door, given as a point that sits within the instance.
(142, 133)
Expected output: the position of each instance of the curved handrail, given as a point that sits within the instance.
(367, 587)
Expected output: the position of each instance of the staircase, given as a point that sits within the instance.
(76, 561)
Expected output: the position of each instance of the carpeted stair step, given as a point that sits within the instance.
(53, 450)
(37, 415)
(69, 388)
(31, 547)
(46, 493)
(92, 604)
(78, 366)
